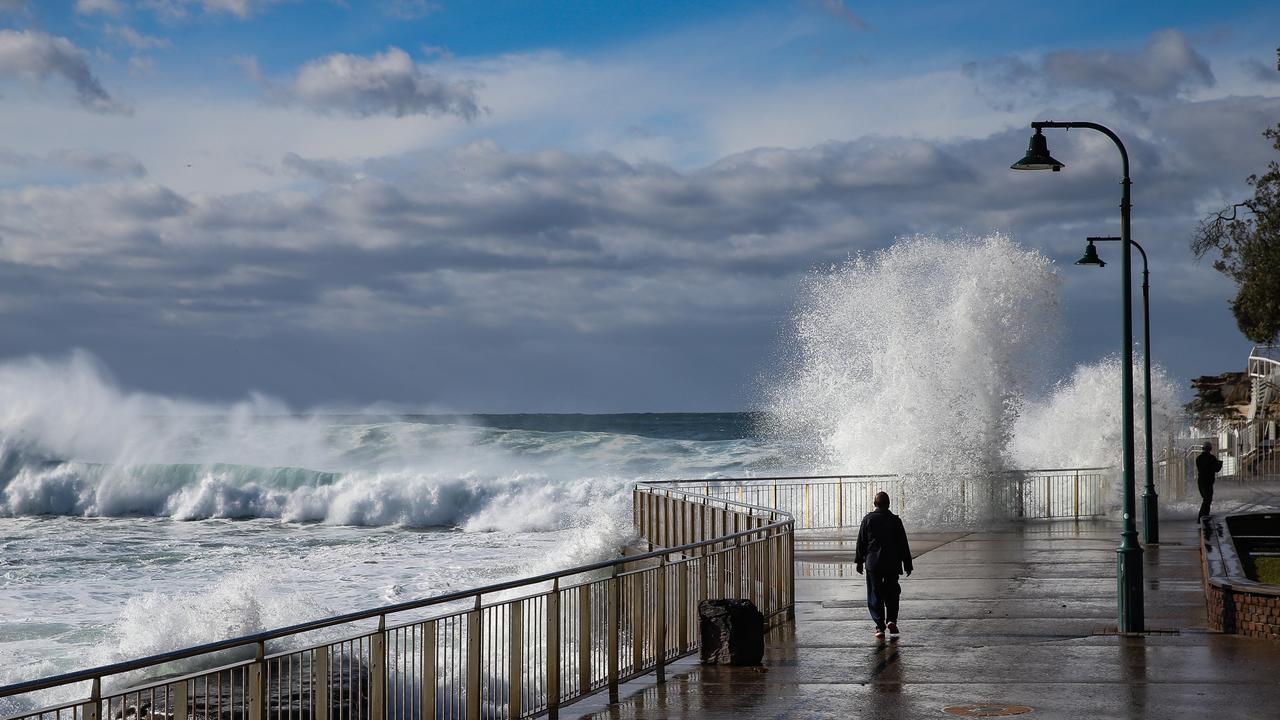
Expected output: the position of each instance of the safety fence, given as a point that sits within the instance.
(840, 501)
(528, 647)
(511, 650)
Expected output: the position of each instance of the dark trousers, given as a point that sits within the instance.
(1206, 492)
(883, 592)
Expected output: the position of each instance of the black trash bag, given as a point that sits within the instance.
(732, 632)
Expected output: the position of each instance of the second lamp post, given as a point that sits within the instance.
(1129, 554)
(1150, 501)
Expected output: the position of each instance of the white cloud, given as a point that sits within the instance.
(1165, 68)
(80, 160)
(134, 39)
(411, 9)
(388, 83)
(838, 9)
(242, 9)
(114, 8)
(35, 56)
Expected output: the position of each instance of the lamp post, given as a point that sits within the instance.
(1129, 554)
(1150, 506)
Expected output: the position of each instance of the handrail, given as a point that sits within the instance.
(702, 481)
(333, 621)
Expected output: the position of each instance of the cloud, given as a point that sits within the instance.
(1166, 67)
(838, 9)
(1259, 70)
(90, 162)
(114, 8)
(411, 9)
(14, 5)
(388, 83)
(177, 9)
(35, 56)
(137, 41)
(322, 170)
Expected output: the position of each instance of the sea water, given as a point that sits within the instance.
(132, 524)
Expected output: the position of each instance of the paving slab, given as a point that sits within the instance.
(1020, 614)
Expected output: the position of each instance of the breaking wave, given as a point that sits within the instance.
(75, 444)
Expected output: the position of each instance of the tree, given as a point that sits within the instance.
(1246, 237)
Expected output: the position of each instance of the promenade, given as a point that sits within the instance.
(1022, 615)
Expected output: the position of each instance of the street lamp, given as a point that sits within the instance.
(1129, 554)
(1150, 508)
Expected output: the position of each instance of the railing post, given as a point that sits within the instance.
(553, 650)
(682, 596)
(258, 683)
(378, 671)
(584, 638)
(808, 505)
(428, 680)
(722, 573)
(773, 495)
(791, 572)
(92, 710)
(840, 503)
(614, 629)
(660, 630)
(637, 622)
(474, 650)
(704, 580)
(740, 570)
(180, 706)
(515, 658)
(1077, 495)
(320, 679)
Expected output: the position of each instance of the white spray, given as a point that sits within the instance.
(914, 359)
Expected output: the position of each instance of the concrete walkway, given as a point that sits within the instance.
(1021, 616)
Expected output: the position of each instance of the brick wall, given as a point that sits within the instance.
(1235, 610)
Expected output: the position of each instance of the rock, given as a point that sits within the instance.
(732, 632)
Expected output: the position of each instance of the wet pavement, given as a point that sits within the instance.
(1023, 615)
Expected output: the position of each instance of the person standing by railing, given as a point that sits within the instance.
(883, 549)
(1206, 467)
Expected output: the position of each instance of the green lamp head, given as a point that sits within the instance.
(1038, 157)
(1091, 256)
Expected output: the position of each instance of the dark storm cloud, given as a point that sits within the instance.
(446, 261)
(1164, 68)
(386, 83)
(36, 56)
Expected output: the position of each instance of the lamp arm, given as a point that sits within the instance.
(1124, 155)
(1134, 243)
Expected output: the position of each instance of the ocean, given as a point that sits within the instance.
(214, 526)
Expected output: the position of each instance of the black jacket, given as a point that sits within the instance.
(882, 544)
(1206, 466)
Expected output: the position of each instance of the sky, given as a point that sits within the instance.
(578, 206)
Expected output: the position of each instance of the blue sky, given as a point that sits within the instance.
(579, 206)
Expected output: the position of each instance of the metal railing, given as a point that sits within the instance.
(510, 650)
(841, 501)
(530, 646)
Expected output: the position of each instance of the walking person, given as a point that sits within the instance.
(883, 550)
(1207, 465)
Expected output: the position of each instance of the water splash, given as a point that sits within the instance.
(1078, 425)
(915, 359)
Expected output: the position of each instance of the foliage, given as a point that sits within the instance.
(1246, 237)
